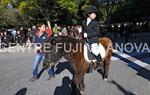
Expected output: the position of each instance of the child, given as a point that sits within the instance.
(91, 32)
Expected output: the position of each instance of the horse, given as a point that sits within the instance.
(73, 50)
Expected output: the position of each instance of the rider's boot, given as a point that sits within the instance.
(90, 69)
(99, 62)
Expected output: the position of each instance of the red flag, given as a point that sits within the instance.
(49, 31)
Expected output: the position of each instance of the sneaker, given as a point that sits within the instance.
(50, 77)
(33, 78)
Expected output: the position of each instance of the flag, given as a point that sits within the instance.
(49, 31)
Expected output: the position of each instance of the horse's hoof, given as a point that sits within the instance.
(81, 92)
(105, 79)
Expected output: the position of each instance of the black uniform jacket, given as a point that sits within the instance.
(92, 30)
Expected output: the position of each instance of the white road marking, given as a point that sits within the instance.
(137, 61)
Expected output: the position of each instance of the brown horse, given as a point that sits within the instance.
(72, 49)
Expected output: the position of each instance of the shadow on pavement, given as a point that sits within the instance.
(65, 88)
(62, 66)
(144, 73)
(22, 91)
(40, 73)
(123, 90)
(68, 87)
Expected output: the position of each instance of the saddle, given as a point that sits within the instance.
(89, 56)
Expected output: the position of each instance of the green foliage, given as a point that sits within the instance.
(8, 17)
(71, 5)
(15, 16)
(4, 2)
(69, 11)
(22, 7)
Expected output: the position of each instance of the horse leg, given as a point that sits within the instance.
(74, 87)
(81, 82)
(82, 86)
(78, 85)
(106, 68)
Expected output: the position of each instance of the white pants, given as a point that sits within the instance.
(98, 49)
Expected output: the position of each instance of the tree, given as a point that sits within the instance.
(39, 10)
(107, 8)
(71, 5)
(133, 10)
(75, 8)
(9, 14)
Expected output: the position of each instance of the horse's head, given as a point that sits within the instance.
(51, 41)
(51, 45)
(52, 54)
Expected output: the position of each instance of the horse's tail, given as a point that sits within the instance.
(107, 43)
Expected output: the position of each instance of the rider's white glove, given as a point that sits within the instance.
(85, 35)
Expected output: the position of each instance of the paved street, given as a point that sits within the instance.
(126, 77)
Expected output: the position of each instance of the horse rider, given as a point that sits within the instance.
(91, 33)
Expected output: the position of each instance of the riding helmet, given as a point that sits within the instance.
(91, 9)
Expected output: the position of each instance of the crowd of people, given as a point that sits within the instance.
(24, 36)
(71, 31)
(129, 28)
(15, 36)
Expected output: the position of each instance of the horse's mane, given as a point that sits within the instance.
(63, 39)
(69, 39)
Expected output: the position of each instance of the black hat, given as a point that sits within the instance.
(91, 9)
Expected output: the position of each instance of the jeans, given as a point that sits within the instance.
(38, 58)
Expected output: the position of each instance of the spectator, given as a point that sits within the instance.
(5, 39)
(55, 30)
(64, 31)
(30, 36)
(13, 33)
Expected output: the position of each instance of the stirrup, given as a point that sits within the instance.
(100, 67)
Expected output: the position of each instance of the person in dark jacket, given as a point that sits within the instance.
(40, 37)
(91, 33)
